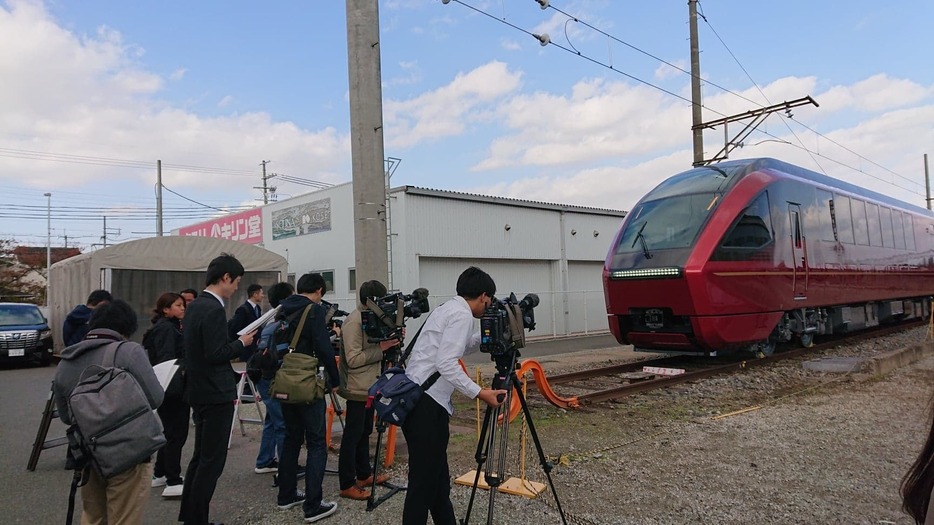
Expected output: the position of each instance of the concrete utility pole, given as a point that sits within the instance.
(159, 198)
(696, 103)
(265, 187)
(366, 137)
(48, 246)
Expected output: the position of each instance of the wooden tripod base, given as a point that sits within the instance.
(514, 486)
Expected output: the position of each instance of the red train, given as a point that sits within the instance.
(746, 254)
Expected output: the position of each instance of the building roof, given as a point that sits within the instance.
(447, 194)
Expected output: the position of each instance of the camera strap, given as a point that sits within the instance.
(411, 345)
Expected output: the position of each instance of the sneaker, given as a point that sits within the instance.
(383, 478)
(324, 510)
(355, 492)
(173, 491)
(297, 499)
(269, 468)
(158, 482)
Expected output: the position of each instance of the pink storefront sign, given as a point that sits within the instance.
(246, 227)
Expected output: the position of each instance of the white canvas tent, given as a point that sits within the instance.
(139, 271)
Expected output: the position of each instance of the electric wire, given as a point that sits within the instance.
(659, 88)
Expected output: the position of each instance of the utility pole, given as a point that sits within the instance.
(159, 198)
(104, 237)
(927, 180)
(265, 187)
(48, 246)
(696, 103)
(366, 141)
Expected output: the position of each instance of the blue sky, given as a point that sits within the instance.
(470, 103)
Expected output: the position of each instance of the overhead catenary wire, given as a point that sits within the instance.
(575, 52)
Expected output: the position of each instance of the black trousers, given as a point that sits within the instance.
(212, 433)
(354, 460)
(174, 414)
(426, 437)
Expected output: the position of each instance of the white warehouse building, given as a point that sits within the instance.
(553, 250)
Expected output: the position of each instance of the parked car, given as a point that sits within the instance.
(24, 334)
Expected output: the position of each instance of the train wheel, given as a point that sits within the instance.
(763, 348)
(807, 340)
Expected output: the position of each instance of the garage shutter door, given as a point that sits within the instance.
(585, 300)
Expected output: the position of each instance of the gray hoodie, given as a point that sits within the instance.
(131, 357)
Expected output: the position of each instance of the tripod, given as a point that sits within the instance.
(489, 443)
(390, 359)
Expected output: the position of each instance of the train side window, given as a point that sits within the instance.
(860, 228)
(825, 205)
(909, 232)
(899, 226)
(875, 224)
(751, 231)
(888, 234)
(844, 221)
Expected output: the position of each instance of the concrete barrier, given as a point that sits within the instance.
(885, 363)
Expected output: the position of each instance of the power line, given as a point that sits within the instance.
(545, 40)
(119, 163)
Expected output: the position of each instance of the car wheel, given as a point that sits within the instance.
(45, 359)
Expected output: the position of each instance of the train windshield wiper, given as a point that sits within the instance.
(641, 239)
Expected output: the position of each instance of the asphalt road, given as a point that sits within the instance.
(41, 496)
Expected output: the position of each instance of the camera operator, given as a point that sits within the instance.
(449, 333)
(359, 367)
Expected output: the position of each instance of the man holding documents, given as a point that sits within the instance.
(246, 313)
(211, 385)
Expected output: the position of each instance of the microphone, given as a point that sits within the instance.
(420, 294)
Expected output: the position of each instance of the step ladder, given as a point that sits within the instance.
(250, 397)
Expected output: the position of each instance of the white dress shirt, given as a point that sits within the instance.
(450, 332)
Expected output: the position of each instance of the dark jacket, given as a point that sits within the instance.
(208, 353)
(315, 339)
(76, 358)
(76, 325)
(243, 316)
(164, 340)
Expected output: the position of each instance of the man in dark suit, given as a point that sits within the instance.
(246, 313)
(211, 385)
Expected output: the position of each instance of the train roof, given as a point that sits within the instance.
(741, 168)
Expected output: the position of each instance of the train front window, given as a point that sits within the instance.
(667, 223)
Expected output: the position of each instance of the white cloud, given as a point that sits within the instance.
(226, 101)
(89, 95)
(446, 111)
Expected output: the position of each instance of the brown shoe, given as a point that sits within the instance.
(355, 492)
(368, 482)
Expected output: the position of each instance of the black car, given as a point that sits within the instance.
(24, 334)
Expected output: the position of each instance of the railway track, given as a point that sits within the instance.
(614, 382)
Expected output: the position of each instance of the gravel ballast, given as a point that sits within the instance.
(821, 448)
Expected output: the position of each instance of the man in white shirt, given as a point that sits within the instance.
(450, 332)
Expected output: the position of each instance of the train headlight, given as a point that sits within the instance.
(647, 273)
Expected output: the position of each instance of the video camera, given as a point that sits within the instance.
(333, 313)
(385, 316)
(503, 324)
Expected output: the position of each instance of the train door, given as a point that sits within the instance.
(798, 252)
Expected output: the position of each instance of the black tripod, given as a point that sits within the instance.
(390, 359)
(489, 443)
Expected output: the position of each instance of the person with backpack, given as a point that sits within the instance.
(360, 366)
(307, 419)
(449, 333)
(271, 442)
(122, 497)
(210, 385)
(163, 342)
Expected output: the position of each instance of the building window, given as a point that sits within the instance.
(352, 279)
(328, 278)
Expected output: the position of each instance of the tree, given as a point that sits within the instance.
(19, 282)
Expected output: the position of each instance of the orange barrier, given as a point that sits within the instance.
(531, 365)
